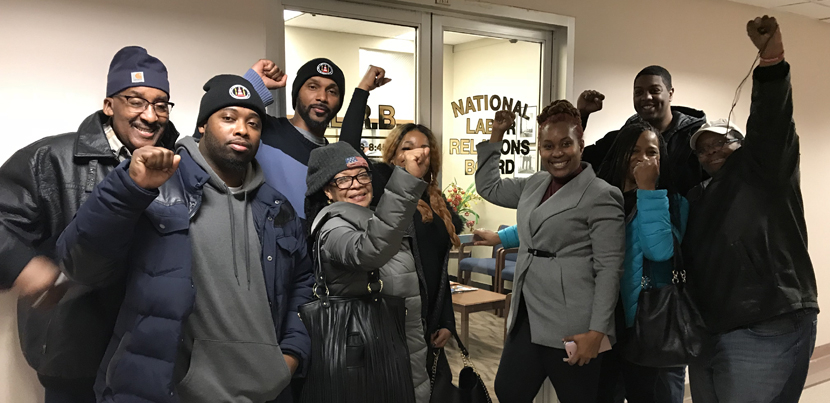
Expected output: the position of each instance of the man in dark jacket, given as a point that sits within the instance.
(653, 94)
(746, 246)
(215, 260)
(41, 188)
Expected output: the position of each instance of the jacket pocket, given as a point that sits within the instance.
(234, 371)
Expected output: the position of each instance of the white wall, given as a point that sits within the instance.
(54, 57)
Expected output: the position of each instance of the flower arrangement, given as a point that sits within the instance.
(462, 200)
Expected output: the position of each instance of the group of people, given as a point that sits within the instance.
(669, 198)
(156, 268)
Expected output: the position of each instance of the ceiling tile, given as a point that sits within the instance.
(812, 10)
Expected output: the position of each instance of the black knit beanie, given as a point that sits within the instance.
(326, 162)
(227, 90)
(320, 67)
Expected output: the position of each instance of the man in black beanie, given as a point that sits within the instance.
(317, 96)
(217, 266)
(41, 187)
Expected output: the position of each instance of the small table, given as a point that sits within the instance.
(476, 301)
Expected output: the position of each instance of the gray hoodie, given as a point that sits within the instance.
(230, 351)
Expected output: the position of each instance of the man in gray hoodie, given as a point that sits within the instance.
(232, 297)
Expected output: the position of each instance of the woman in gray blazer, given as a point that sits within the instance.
(572, 243)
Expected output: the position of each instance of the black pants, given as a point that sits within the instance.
(524, 367)
(621, 380)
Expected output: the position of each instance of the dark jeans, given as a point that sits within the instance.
(524, 367)
(764, 362)
(671, 385)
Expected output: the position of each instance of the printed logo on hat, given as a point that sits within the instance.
(325, 68)
(239, 91)
(354, 162)
(137, 76)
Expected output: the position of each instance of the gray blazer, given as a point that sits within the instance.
(582, 224)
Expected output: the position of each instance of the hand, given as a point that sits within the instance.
(485, 237)
(272, 76)
(766, 36)
(587, 347)
(37, 276)
(502, 122)
(416, 161)
(440, 338)
(646, 173)
(374, 77)
(292, 363)
(152, 166)
(589, 101)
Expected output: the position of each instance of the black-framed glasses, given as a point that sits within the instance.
(714, 146)
(139, 105)
(345, 182)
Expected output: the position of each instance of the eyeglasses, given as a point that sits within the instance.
(714, 146)
(345, 182)
(139, 105)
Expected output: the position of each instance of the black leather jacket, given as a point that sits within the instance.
(746, 243)
(41, 188)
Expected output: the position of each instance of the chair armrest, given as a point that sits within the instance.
(501, 256)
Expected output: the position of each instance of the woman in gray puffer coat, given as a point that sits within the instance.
(354, 240)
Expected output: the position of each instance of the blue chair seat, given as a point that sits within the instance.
(488, 266)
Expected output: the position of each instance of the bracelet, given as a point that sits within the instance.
(775, 59)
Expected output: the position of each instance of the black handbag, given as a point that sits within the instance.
(668, 328)
(358, 345)
(470, 387)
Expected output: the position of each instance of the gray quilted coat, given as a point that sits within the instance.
(354, 241)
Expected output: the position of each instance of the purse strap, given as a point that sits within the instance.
(678, 271)
(374, 284)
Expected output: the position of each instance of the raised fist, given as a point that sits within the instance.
(375, 77)
(151, 166)
(272, 76)
(501, 123)
(589, 101)
(416, 161)
(766, 36)
(646, 173)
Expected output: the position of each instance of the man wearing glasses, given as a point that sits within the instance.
(41, 188)
(749, 269)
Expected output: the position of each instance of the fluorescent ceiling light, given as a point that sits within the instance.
(289, 14)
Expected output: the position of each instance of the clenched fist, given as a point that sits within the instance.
(152, 166)
(646, 173)
(37, 277)
(375, 77)
(766, 36)
(589, 101)
(501, 123)
(272, 76)
(416, 162)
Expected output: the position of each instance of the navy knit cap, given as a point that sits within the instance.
(133, 67)
(320, 67)
(227, 90)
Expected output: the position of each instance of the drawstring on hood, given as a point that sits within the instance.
(254, 178)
